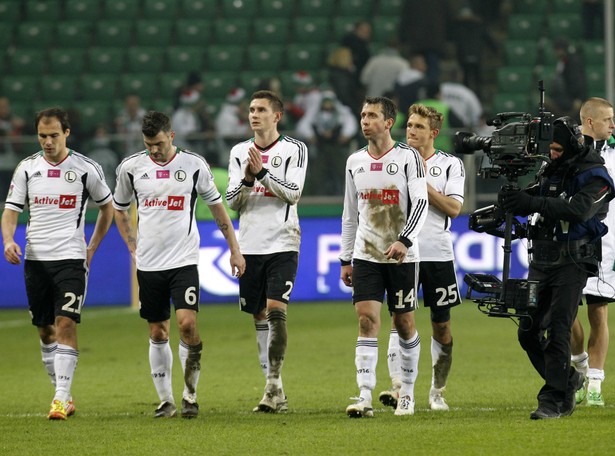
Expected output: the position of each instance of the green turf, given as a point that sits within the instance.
(491, 391)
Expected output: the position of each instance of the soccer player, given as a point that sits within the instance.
(166, 181)
(56, 184)
(597, 127)
(445, 188)
(266, 177)
(385, 206)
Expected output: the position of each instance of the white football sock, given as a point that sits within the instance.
(190, 359)
(366, 359)
(262, 343)
(161, 363)
(48, 354)
(441, 360)
(65, 364)
(410, 352)
(393, 359)
(596, 377)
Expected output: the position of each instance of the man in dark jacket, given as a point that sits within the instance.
(567, 203)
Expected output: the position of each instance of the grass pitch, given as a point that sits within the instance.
(491, 391)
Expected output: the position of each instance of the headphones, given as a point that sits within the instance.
(577, 141)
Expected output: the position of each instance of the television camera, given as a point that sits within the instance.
(519, 142)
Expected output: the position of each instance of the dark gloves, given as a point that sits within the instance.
(519, 202)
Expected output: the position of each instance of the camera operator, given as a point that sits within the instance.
(568, 200)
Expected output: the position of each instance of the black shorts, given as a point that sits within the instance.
(591, 299)
(55, 288)
(269, 276)
(371, 281)
(157, 288)
(439, 283)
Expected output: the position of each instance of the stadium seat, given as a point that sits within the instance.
(10, 12)
(22, 109)
(362, 8)
(232, 31)
(73, 34)
(234, 8)
(593, 52)
(520, 53)
(54, 88)
(218, 83)
(34, 34)
(595, 75)
(271, 31)
(250, 80)
(514, 79)
(193, 32)
(27, 62)
(66, 61)
(98, 86)
(153, 32)
(384, 28)
(564, 25)
(311, 30)
(114, 32)
(184, 59)
(277, 8)
(170, 83)
(265, 57)
(213, 105)
(525, 26)
(106, 59)
(388, 8)
(120, 9)
(91, 114)
(199, 9)
(510, 102)
(159, 9)
(162, 105)
(225, 58)
(21, 88)
(304, 56)
(145, 59)
(544, 73)
(3, 63)
(143, 84)
(6, 35)
(567, 6)
(42, 10)
(343, 25)
(531, 6)
(81, 10)
(311, 8)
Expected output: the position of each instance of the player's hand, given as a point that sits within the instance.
(238, 264)
(255, 161)
(12, 253)
(346, 275)
(396, 251)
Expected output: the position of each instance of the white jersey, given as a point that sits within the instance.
(604, 284)
(385, 199)
(445, 173)
(166, 195)
(268, 220)
(57, 197)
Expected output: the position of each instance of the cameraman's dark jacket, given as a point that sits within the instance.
(574, 200)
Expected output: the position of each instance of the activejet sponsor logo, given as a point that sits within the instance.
(386, 196)
(171, 203)
(62, 201)
(262, 190)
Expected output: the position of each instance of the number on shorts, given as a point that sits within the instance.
(72, 300)
(190, 296)
(401, 301)
(290, 288)
(447, 295)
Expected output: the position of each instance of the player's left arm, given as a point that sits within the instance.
(12, 251)
(451, 199)
(238, 263)
(417, 194)
(103, 222)
(288, 190)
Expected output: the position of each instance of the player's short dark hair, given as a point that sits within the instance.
(276, 102)
(154, 122)
(58, 113)
(389, 109)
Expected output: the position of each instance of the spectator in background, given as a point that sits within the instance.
(422, 29)
(592, 12)
(306, 97)
(232, 122)
(11, 127)
(342, 79)
(101, 152)
(381, 71)
(188, 120)
(463, 101)
(450, 120)
(328, 131)
(411, 83)
(358, 42)
(128, 123)
(568, 88)
(470, 35)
